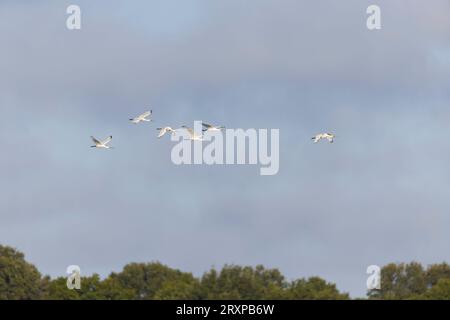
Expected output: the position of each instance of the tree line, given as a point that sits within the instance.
(20, 279)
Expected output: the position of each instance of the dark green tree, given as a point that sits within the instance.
(401, 281)
(112, 289)
(314, 288)
(436, 272)
(440, 291)
(92, 288)
(145, 280)
(19, 280)
(236, 282)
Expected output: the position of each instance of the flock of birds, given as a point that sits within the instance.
(146, 117)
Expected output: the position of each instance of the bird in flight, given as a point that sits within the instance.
(192, 134)
(142, 117)
(330, 137)
(102, 144)
(163, 131)
(210, 128)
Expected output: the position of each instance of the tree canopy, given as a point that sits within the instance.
(413, 281)
(19, 279)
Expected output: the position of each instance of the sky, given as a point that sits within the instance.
(379, 194)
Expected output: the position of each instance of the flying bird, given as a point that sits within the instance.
(330, 137)
(163, 131)
(209, 127)
(142, 117)
(192, 134)
(102, 144)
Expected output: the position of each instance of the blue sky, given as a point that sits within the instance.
(378, 195)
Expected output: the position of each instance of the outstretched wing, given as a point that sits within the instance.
(206, 125)
(191, 131)
(145, 114)
(317, 137)
(95, 140)
(107, 140)
(162, 131)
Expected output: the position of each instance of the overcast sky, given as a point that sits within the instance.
(379, 194)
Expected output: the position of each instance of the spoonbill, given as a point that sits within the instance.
(209, 127)
(330, 137)
(163, 131)
(102, 144)
(192, 134)
(142, 117)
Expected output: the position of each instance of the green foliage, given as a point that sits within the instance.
(412, 281)
(182, 289)
(314, 288)
(235, 282)
(402, 281)
(92, 288)
(18, 278)
(140, 281)
(155, 280)
(440, 291)
(437, 272)
(112, 289)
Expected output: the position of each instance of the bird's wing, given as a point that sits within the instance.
(107, 140)
(162, 131)
(95, 140)
(206, 125)
(145, 114)
(191, 132)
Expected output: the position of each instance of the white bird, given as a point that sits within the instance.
(192, 134)
(102, 144)
(209, 127)
(163, 131)
(330, 137)
(142, 117)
